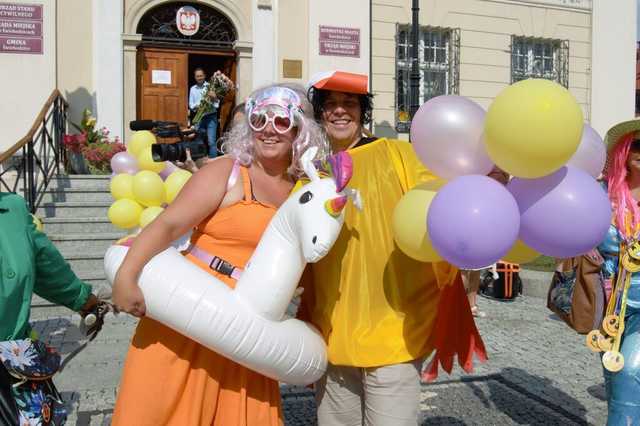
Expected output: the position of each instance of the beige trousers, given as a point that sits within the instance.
(377, 396)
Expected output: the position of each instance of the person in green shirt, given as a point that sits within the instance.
(30, 263)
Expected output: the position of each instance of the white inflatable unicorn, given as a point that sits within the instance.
(246, 324)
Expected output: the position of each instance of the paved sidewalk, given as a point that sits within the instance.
(539, 373)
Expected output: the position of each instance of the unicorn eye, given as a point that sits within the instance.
(306, 197)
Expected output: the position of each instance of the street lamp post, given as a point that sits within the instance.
(414, 78)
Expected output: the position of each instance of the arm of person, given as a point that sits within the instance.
(201, 196)
(54, 279)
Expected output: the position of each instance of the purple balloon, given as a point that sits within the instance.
(473, 221)
(168, 169)
(564, 214)
(447, 135)
(123, 162)
(591, 154)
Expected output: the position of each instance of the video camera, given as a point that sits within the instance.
(195, 142)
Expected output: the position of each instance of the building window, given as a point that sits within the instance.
(438, 56)
(539, 58)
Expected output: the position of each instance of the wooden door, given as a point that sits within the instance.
(229, 101)
(162, 85)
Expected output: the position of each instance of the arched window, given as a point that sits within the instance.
(158, 26)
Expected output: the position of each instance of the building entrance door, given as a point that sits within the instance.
(165, 76)
(162, 85)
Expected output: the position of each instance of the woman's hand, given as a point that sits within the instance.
(127, 296)
(212, 95)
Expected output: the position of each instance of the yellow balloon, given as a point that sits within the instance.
(38, 223)
(145, 161)
(121, 186)
(409, 222)
(532, 128)
(174, 183)
(124, 213)
(521, 253)
(148, 188)
(140, 140)
(149, 214)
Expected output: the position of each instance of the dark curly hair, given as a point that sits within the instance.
(317, 97)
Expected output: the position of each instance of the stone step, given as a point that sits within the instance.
(92, 242)
(88, 261)
(80, 181)
(53, 195)
(74, 209)
(79, 225)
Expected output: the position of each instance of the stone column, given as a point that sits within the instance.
(130, 52)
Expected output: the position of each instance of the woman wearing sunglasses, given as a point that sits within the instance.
(169, 379)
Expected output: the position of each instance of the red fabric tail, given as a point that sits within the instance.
(455, 333)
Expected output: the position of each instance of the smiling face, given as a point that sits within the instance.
(200, 76)
(341, 118)
(270, 144)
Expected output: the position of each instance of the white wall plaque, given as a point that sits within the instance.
(160, 77)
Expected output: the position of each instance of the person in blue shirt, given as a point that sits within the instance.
(623, 185)
(197, 91)
(207, 124)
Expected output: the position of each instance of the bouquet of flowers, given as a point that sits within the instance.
(219, 84)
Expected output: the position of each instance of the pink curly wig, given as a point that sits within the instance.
(624, 205)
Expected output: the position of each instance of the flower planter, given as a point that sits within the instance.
(77, 163)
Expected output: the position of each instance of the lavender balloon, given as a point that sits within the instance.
(123, 162)
(473, 221)
(168, 169)
(446, 133)
(591, 154)
(564, 214)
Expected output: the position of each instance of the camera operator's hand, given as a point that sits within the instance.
(127, 296)
(188, 164)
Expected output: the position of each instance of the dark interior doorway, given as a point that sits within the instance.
(209, 63)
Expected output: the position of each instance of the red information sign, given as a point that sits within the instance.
(339, 41)
(21, 28)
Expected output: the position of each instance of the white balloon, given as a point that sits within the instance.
(247, 324)
(591, 154)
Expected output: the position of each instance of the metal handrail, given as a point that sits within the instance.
(42, 152)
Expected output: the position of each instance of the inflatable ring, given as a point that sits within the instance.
(246, 324)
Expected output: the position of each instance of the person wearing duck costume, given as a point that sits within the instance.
(381, 312)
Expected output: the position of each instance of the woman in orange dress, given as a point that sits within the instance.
(169, 379)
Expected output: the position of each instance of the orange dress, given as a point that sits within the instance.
(169, 379)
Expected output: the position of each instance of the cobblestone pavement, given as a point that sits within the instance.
(539, 373)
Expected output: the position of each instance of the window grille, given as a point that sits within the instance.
(439, 62)
(539, 58)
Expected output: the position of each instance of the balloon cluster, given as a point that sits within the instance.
(140, 186)
(553, 205)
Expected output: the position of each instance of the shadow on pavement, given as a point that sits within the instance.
(598, 391)
(540, 390)
(443, 420)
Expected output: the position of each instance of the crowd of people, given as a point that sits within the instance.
(378, 310)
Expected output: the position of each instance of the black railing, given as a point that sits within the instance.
(29, 166)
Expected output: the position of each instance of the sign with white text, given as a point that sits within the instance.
(339, 41)
(21, 28)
